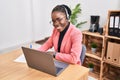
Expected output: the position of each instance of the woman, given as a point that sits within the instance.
(66, 38)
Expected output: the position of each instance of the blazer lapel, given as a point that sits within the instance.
(56, 41)
(65, 38)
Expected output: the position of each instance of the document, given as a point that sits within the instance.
(21, 59)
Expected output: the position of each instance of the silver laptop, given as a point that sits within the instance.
(43, 61)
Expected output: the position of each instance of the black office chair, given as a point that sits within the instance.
(82, 57)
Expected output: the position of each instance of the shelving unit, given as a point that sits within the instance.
(113, 71)
(97, 57)
(109, 63)
(112, 65)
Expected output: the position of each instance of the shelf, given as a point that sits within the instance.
(113, 37)
(96, 34)
(108, 76)
(111, 72)
(94, 74)
(114, 64)
(93, 56)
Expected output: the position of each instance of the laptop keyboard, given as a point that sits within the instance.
(59, 64)
(58, 69)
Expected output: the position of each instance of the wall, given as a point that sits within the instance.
(42, 16)
(42, 13)
(15, 23)
(97, 7)
(24, 21)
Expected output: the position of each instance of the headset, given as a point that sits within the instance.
(66, 11)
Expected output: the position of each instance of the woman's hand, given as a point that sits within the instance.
(52, 53)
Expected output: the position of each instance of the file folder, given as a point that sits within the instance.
(116, 53)
(116, 25)
(111, 26)
(110, 51)
(119, 28)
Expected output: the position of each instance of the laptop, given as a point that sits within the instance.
(43, 61)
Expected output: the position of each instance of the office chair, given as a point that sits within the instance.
(82, 57)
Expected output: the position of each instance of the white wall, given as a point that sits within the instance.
(97, 7)
(42, 16)
(42, 13)
(23, 21)
(15, 23)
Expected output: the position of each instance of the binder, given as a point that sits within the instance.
(111, 26)
(116, 25)
(119, 28)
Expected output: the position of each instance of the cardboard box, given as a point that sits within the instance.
(116, 53)
(110, 51)
(113, 52)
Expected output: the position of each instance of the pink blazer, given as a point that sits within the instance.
(71, 45)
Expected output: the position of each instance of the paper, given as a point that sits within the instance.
(21, 59)
(91, 78)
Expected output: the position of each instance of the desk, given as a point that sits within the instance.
(10, 70)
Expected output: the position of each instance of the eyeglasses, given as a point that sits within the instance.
(56, 20)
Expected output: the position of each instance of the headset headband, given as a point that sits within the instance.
(66, 11)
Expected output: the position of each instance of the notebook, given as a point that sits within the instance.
(43, 61)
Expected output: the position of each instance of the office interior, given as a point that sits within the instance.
(27, 21)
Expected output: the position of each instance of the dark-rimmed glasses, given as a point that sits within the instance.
(56, 20)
